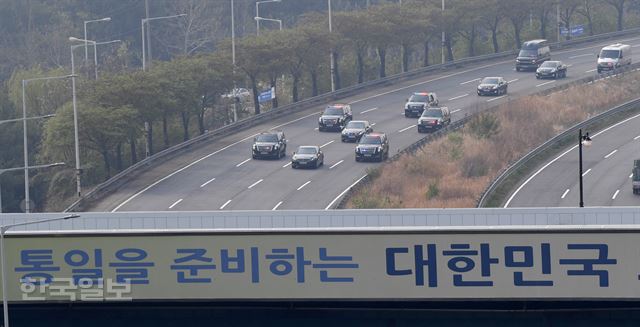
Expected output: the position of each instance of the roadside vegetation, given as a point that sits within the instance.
(182, 93)
(453, 171)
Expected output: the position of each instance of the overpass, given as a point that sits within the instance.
(489, 266)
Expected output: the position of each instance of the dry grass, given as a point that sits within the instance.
(453, 171)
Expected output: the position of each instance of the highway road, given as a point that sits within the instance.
(606, 166)
(222, 175)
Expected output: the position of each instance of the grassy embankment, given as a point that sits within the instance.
(453, 171)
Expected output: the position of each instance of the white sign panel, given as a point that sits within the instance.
(367, 266)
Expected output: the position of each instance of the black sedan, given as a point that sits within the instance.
(355, 129)
(551, 69)
(492, 86)
(307, 156)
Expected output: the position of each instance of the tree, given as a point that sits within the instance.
(409, 25)
(587, 11)
(517, 12)
(543, 8)
(352, 26)
(619, 6)
(380, 33)
(567, 10)
(251, 55)
(492, 15)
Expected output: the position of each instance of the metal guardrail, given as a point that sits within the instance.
(505, 174)
(134, 170)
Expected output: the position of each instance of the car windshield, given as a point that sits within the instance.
(419, 98)
(489, 80)
(610, 54)
(307, 150)
(332, 111)
(370, 139)
(528, 53)
(355, 125)
(549, 64)
(432, 113)
(267, 138)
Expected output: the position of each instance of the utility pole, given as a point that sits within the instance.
(146, 16)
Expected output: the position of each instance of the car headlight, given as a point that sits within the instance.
(276, 146)
(319, 119)
(494, 87)
(357, 150)
(406, 106)
(255, 147)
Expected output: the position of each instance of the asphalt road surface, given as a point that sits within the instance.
(606, 170)
(222, 175)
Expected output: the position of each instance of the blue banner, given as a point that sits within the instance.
(575, 30)
(267, 95)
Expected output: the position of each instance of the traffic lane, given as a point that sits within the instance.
(389, 98)
(550, 184)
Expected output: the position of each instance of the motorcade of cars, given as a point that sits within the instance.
(335, 117)
(434, 119)
(552, 69)
(307, 156)
(354, 130)
(373, 147)
(492, 86)
(418, 102)
(532, 54)
(614, 56)
(269, 145)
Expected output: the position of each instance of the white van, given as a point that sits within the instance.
(614, 56)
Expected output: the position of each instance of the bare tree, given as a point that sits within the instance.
(619, 5)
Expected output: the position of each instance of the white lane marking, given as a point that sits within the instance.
(586, 172)
(254, 184)
(337, 163)
(513, 80)
(458, 97)
(179, 170)
(560, 156)
(287, 165)
(569, 65)
(406, 128)
(175, 204)
(303, 185)
(345, 191)
(471, 81)
(431, 80)
(225, 204)
(610, 154)
(564, 194)
(635, 46)
(494, 99)
(615, 194)
(374, 124)
(277, 205)
(322, 146)
(591, 70)
(242, 163)
(637, 137)
(582, 55)
(545, 83)
(293, 121)
(207, 182)
(368, 110)
(316, 128)
(453, 112)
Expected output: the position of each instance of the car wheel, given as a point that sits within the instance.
(357, 159)
(517, 69)
(294, 166)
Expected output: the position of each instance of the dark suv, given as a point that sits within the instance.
(335, 117)
(269, 145)
(434, 119)
(373, 146)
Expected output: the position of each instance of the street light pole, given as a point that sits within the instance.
(258, 13)
(95, 54)
(586, 140)
(147, 20)
(86, 44)
(2, 171)
(233, 59)
(332, 69)
(3, 229)
(27, 206)
(257, 18)
(443, 36)
(75, 123)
